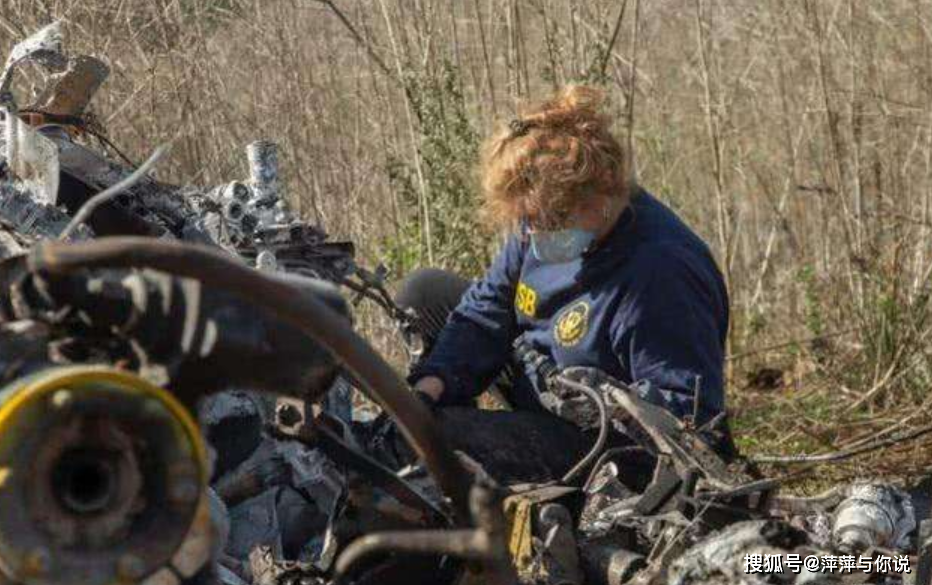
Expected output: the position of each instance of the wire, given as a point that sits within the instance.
(91, 205)
(586, 461)
(80, 124)
(109, 144)
(845, 454)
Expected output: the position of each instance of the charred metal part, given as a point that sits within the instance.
(595, 481)
(666, 482)
(604, 494)
(605, 564)
(534, 559)
(668, 435)
(201, 339)
(43, 47)
(20, 207)
(303, 249)
(304, 312)
(70, 91)
(872, 516)
(549, 445)
(557, 556)
(282, 519)
(317, 432)
(112, 191)
(31, 158)
(263, 170)
(148, 208)
(924, 566)
(486, 543)
(232, 423)
(266, 569)
(720, 557)
(92, 457)
(266, 468)
(11, 242)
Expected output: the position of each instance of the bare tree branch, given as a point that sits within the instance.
(358, 38)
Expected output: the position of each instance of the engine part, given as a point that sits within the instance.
(103, 480)
(605, 564)
(21, 207)
(69, 92)
(486, 543)
(872, 516)
(305, 312)
(557, 557)
(30, 157)
(263, 171)
(529, 528)
(720, 558)
(43, 47)
(293, 421)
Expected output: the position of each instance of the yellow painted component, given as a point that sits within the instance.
(519, 512)
(39, 386)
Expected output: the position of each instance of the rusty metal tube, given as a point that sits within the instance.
(304, 312)
(596, 450)
(487, 544)
(463, 544)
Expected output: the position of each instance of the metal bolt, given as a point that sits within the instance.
(37, 562)
(130, 567)
(62, 399)
(240, 192)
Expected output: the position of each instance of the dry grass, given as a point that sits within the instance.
(795, 136)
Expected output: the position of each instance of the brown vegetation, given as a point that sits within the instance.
(795, 136)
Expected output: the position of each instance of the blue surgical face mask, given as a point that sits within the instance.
(561, 246)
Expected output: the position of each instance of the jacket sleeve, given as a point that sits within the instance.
(475, 343)
(669, 330)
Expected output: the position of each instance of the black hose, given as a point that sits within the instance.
(304, 312)
(590, 457)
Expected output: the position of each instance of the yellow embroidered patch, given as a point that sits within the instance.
(572, 324)
(526, 300)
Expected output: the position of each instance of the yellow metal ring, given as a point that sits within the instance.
(40, 385)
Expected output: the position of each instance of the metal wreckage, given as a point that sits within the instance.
(177, 370)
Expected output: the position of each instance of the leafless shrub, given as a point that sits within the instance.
(795, 136)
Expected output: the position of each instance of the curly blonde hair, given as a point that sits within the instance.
(542, 165)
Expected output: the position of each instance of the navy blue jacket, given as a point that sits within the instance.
(647, 304)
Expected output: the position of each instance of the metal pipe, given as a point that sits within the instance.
(487, 544)
(590, 457)
(216, 269)
(464, 544)
(263, 168)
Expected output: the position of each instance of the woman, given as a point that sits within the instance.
(596, 272)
